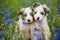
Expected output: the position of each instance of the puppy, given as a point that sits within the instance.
(40, 13)
(26, 17)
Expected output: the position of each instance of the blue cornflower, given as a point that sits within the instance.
(39, 21)
(8, 21)
(56, 29)
(3, 34)
(38, 36)
(57, 36)
(1, 29)
(25, 23)
(36, 29)
(34, 34)
(1, 13)
(5, 11)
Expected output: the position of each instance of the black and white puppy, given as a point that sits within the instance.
(40, 12)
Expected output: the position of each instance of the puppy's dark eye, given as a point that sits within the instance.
(25, 15)
(35, 13)
(42, 13)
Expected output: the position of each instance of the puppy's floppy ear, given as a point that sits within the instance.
(46, 9)
(34, 5)
(20, 11)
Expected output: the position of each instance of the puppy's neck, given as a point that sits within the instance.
(44, 22)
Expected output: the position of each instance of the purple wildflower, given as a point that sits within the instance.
(39, 21)
(57, 36)
(56, 29)
(8, 21)
(38, 36)
(1, 13)
(34, 34)
(36, 29)
(25, 23)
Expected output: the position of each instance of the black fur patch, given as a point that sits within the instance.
(46, 11)
(36, 4)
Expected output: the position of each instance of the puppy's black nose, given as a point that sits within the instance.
(38, 18)
(28, 20)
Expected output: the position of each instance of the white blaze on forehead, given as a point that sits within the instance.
(39, 8)
(27, 11)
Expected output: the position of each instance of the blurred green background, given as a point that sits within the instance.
(9, 16)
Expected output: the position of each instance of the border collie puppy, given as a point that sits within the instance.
(40, 12)
(23, 25)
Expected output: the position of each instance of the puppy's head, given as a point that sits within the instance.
(26, 14)
(40, 11)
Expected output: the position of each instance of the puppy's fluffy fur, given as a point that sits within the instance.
(31, 15)
(40, 12)
(25, 15)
